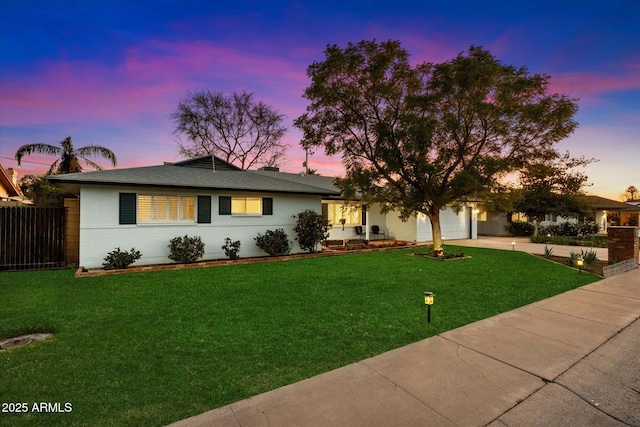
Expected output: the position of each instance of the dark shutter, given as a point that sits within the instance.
(267, 206)
(364, 215)
(204, 209)
(127, 208)
(224, 205)
(325, 211)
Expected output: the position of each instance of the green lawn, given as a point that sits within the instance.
(153, 348)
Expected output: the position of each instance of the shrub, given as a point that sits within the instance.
(118, 259)
(186, 250)
(548, 252)
(274, 242)
(311, 228)
(589, 257)
(231, 249)
(520, 228)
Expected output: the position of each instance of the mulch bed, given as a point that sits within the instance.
(595, 267)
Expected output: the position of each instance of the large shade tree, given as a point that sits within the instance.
(68, 156)
(236, 128)
(418, 138)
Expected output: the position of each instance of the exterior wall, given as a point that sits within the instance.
(401, 230)
(101, 233)
(495, 225)
(72, 232)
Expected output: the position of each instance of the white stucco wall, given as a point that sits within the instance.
(461, 225)
(100, 232)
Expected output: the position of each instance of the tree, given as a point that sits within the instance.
(416, 139)
(69, 161)
(41, 192)
(553, 186)
(629, 194)
(235, 128)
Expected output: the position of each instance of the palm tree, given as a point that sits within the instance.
(69, 161)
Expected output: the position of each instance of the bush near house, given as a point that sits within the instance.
(231, 249)
(568, 229)
(520, 228)
(274, 242)
(312, 229)
(186, 250)
(118, 259)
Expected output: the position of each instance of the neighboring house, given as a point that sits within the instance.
(10, 192)
(613, 213)
(493, 223)
(145, 207)
(607, 213)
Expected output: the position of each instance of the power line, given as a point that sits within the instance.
(26, 161)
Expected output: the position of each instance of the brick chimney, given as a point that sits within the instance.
(13, 176)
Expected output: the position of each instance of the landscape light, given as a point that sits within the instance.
(513, 245)
(580, 263)
(428, 300)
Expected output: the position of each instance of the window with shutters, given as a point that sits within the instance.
(164, 208)
(245, 206)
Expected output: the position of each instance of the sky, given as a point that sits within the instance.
(111, 72)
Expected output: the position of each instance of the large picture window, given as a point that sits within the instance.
(351, 214)
(159, 208)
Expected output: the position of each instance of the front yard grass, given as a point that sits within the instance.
(153, 348)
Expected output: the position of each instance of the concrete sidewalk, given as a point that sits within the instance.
(572, 359)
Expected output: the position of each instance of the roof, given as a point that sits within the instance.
(600, 203)
(193, 175)
(7, 183)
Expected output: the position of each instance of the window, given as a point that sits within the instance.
(245, 206)
(158, 208)
(519, 217)
(351, 214)
(482, 216)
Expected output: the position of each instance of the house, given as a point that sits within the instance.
(613, 213)
(10, 192)
(347, 217)
(145, 207)
(607, 212)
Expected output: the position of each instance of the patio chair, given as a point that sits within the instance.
(377, 231)
(359, 230)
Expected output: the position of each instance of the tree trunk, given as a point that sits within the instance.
(436, 231)
(536, 226)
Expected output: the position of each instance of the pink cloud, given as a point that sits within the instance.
(150, 80)
(589, 85)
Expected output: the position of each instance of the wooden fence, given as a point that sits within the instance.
(32, 238)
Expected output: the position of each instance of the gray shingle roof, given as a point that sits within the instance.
(176, 176)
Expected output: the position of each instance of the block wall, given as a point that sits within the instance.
(623, 243)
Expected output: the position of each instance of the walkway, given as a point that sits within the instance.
(568, 360)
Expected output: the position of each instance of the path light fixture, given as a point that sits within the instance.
(428, 300)
(580, 263)
(513, 245)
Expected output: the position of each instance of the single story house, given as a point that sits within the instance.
(145, 207)
(347, 218)
(607, 212)
(613, 213)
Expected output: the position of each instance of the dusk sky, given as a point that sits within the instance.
(111, 72)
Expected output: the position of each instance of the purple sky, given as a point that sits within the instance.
(112, 72)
